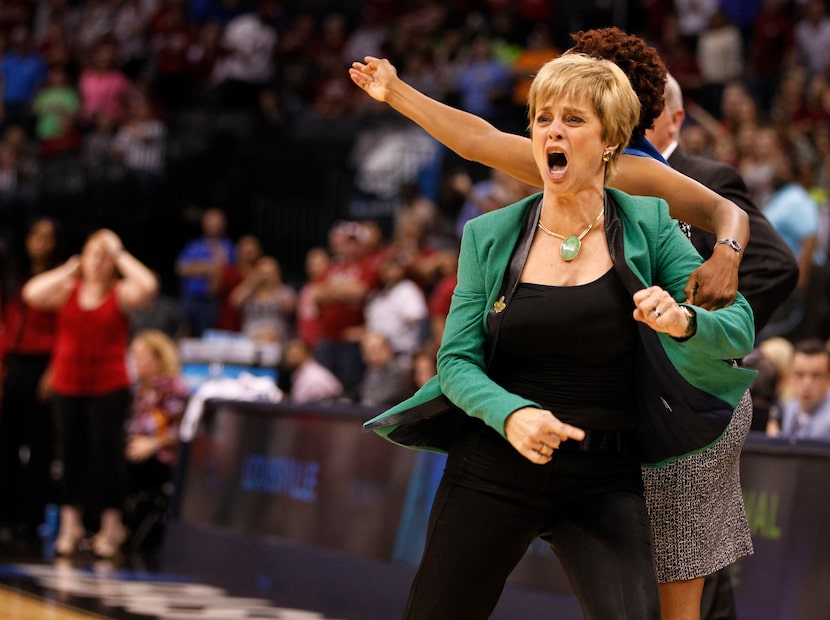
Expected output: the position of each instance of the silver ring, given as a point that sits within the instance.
(656, 312)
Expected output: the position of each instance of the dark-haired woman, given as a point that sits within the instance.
(26, 339)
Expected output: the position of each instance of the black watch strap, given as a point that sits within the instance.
(691, 328)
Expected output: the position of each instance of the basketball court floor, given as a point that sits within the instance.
(33, 589)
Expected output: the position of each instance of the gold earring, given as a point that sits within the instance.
(606, 156)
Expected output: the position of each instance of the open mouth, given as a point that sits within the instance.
(557, 162)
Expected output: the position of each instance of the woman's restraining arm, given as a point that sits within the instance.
(715, 283)
(725, 333)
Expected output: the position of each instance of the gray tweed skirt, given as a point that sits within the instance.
(696, 506)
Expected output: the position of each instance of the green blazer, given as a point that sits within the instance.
(647, 248)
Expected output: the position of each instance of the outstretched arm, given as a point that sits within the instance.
(713, 285)
(468, 135)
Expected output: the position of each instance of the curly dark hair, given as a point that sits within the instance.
(641, 63)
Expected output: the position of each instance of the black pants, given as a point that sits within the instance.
(718, 600)
(25, 444)
(492, 503)
(89, 441)
(147, 503)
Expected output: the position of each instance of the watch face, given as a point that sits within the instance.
(732, 244)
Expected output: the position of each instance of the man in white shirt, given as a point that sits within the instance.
(249, 43)
(310, 381)
(398, 309)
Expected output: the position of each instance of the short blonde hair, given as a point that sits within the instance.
(163, 348)
(600, 83)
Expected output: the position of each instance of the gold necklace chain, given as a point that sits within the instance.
(571, 245)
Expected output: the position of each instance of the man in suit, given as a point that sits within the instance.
(806, 414)
(767, 275)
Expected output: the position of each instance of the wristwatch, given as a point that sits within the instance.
(691, 327)
(731, 243)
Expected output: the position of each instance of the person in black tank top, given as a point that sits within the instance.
(519, 398)
(565, 315)
(571, 349)
(566, 342)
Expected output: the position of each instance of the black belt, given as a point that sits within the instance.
(602, 442)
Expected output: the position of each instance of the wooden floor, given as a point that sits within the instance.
(18, 605)
(64, 590)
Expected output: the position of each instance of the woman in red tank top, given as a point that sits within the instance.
(92, 295)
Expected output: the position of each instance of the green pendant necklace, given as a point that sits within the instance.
(571, 245)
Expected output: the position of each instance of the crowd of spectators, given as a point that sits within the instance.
(117, 113)
(223, 141)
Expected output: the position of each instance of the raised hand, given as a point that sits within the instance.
(373, 75)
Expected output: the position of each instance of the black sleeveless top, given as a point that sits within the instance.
(571, 349)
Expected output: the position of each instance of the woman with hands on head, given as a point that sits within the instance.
(92, 295)
(568, 304)
(690, 541)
